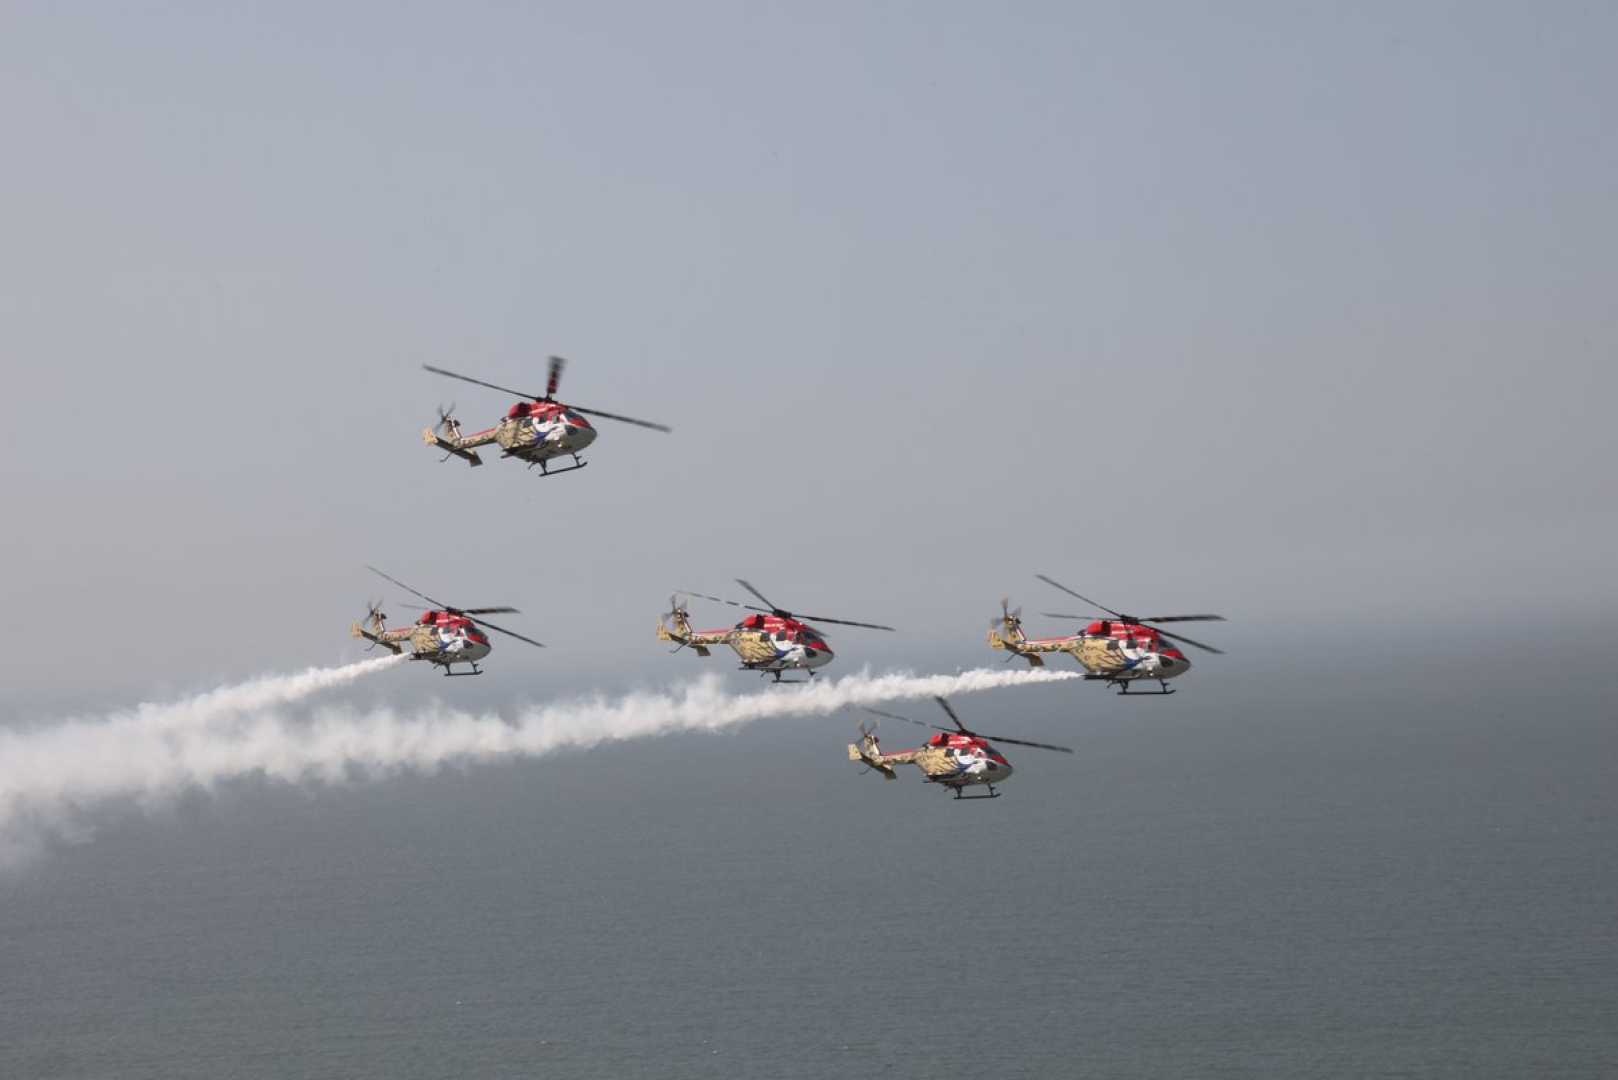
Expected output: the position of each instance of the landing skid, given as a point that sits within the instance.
(448, 674)
(993, 794)
(1124, 684)
(1123, 691)
(546, 470)
(778, 680)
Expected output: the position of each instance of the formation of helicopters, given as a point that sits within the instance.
(1111, 647)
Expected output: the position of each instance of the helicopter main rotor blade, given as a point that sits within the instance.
(1070, 592)
(762, 598)
(1189, 641)
(945, 705)
(1057, 615)
(614, 416)
(480, 382)
(906, 719)
(722, 600)
(715, 599)
(509, 633)
(841, 622)
(1182, 618)
(1023, 742)
(487, 611)
(406, 588)
(555, 378)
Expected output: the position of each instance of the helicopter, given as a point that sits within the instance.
(443, 635)
(957, 759)
(771, 642)
(534, 431)
(1118, 651)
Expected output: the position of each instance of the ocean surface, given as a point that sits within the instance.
(1358, 862)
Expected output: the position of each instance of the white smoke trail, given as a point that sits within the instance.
(37, 767)
(50, 778)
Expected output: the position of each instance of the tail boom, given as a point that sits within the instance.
(455, 445)
(870, 754)
(376, 639)
(1017, 645)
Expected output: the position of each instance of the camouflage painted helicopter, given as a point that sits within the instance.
(771, 642)
(1118, 651)
(533, 431)
(443, 635)
(957, 759)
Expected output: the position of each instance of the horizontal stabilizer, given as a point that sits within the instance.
(432, 438)
(360, 632)
(873, 761)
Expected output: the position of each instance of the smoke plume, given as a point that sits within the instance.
(53, 779)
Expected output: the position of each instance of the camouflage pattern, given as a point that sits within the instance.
(1098, 656)
(452, 442)
(753, 646)
(424, 640)
(379, 634)
(682, 634)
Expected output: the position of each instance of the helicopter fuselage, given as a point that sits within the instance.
(953, 760)
(1110, 650)
(532, 431)
(439, 637)
(762, 642)
(772, 643)
(541, 430)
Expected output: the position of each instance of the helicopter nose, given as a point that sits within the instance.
(815, 657)
(582, 436)
(996, 771)
(1173, 662)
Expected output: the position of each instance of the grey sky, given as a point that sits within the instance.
(1289, 311)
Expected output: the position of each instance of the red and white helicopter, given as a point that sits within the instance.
(533, 431)
(957, 759)
(1118, 651)
(773, 641)
(443, 635)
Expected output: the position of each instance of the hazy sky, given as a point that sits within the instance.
(1297, 312)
